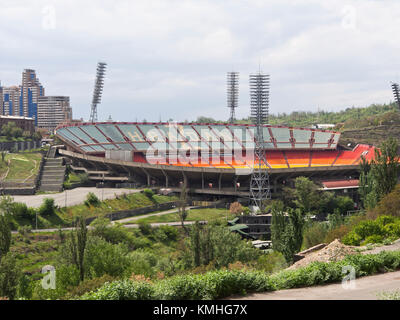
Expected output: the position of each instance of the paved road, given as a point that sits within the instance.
(125, 226)
(73, 197)
(366, 288)
(142, 216)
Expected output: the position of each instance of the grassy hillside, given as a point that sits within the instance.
(353, 117)
(19, 166)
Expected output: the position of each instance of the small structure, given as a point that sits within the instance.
(252, 226)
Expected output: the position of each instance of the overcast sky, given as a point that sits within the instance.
(169, 58)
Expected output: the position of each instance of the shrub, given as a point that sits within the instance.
(352, 239)
(145, 228)
(143, 262)
(271, 262)
(166, 233)
(47, 208)
(373, 239)
(20, 210)
(92, 200)
(122, 290)
(112, 233)
(368, 228)
(148, 193)
(102, 257)
(223, 283)
(24, 230)
(315, 234)
(235, 208)
(337, 233)
(87, 286)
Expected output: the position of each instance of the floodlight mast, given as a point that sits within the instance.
(259, 101)
(232, 93)
(396, 93)
(98, 90)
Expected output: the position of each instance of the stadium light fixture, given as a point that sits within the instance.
(98, 90)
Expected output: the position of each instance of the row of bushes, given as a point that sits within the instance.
(21, 214)
(374, 231)
(223, 283)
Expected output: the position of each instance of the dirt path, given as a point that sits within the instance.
(366, 288)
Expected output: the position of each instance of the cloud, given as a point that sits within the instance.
(170, 57)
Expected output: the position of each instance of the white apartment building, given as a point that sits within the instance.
(52, 111)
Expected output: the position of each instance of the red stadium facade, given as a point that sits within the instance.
(213, 159)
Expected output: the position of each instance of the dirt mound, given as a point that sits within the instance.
(334, 251)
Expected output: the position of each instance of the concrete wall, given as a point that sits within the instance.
(135, 212)
(20, 145)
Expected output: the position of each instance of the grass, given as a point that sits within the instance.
(21, 167)
(34, 251)
(208, 214)
(121, 202)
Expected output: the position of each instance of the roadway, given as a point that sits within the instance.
(72, 197)
(366, 288)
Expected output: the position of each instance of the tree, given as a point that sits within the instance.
(287, 231)
(277, 225)
(182, 212)
(379, 177)
(9, 276)
(5, 235)
(77, 245)
(306, 194)
(216, 244)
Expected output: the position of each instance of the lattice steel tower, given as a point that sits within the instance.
(232, 93)
(396, 93)
(259, 102)
(98, 90)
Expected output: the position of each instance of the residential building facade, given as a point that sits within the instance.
(52, 111)
(23, 101)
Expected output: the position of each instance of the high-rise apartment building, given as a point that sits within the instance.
(31, 90)
(53, 110)
(23, 100)
(1, 101)
(11, 98)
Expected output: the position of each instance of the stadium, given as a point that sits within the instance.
(212, 159)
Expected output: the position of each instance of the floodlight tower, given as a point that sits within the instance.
(98, 90)
(259, 104)
(232, 93)
(396, 93)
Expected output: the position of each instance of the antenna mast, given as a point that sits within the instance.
(98, 90)
(259, 102)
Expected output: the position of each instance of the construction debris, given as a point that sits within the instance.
(334, 251)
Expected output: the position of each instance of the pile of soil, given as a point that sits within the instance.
(334, 251)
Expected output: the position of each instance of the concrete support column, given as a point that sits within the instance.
(235, 179)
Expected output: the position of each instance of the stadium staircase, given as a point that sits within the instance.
(53, 174)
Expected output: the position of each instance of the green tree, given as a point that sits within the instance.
(218, 245)
(182, 211)
(10, 274)
(287, 231)
(5, 235)
(379, 177)
(77, 245)
(306, 194)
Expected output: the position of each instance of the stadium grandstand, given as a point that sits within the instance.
(212, 159)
